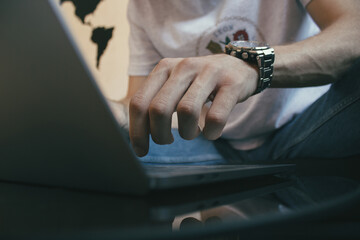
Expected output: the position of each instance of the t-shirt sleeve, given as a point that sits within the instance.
(143, 55)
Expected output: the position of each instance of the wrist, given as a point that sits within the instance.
(253, 76)
(257, 54)
(247, 75)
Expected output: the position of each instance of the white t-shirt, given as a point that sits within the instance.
(187, 28)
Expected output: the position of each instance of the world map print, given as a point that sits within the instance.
(100, 34)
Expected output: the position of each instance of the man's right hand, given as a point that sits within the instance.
(184, 85)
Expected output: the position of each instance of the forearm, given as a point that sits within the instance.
(320, 59)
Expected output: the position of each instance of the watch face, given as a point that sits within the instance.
(248, 44)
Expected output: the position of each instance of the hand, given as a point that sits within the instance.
(184, 85)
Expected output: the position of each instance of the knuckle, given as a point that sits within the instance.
(212, 67)
(159, 108)
(186, 63)
(138, 104)
(187, 108)
(164, 63)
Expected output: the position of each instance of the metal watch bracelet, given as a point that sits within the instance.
(263, 57)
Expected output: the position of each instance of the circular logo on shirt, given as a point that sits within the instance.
(214, 39)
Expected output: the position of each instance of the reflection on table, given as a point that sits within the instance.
(43, 212)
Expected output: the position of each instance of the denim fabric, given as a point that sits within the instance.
(329, 128)
(198, 151)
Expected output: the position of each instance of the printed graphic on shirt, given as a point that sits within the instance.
(214, 39)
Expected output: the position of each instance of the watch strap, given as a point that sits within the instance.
(265, 60)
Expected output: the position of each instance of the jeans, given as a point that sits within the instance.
(198, 151)
(329, 128)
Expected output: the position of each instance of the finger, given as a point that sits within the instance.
(164, 103)
(219, 112)
(139, 128)
(139, 136)
(190, 106)
(203, 113)
(160, 114)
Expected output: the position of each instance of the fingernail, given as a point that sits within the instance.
(140, 152)
(210, 135)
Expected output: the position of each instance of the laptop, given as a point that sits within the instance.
(56, 126)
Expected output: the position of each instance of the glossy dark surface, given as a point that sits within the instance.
(42, 211)
(39, 212)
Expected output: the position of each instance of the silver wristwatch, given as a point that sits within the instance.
(259, 54)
